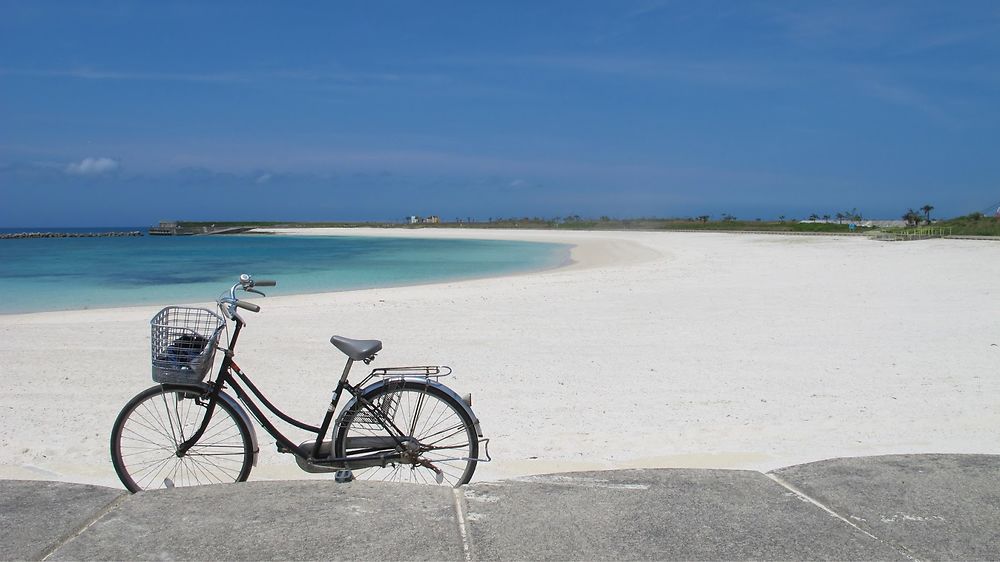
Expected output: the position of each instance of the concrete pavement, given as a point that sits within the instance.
(876, 508)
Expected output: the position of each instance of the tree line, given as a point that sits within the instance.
(913, 218)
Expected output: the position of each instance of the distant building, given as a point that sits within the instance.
(433, 219)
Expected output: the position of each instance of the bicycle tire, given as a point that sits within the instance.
(427, 413)
(152, 424)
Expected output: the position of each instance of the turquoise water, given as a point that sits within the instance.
(79, 273)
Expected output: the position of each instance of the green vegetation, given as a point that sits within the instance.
(975, 224)
(702, 223)
(919, 223)
(912, 218)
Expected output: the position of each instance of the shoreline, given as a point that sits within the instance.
(567, 261)
(653, 349)
(588, 249)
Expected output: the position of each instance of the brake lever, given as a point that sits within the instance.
(255, 291)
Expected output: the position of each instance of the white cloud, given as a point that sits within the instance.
(93, 166)
(264, 178)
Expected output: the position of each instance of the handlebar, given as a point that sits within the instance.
(230, 302)
(248, 306)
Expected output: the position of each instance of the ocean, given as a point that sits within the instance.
(45, 274)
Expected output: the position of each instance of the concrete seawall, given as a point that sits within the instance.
(898, 507)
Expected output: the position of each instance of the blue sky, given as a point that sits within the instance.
(131, 112)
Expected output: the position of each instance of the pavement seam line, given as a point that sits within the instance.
(791, 487)
(97, 516)
(462, 530)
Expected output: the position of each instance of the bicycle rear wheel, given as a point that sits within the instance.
(152, 425)
(445, 443)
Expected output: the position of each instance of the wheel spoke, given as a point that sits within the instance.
(437, 422)
(147, 433)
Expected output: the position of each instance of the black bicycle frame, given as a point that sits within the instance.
(225, 377)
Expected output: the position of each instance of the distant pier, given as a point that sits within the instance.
(174, 228)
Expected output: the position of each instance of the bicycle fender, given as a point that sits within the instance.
(238, 408)
(419, 380)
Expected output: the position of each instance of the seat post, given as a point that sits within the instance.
(347, 370)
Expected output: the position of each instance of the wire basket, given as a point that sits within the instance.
(183, 343)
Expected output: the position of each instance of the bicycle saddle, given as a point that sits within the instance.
(357, 350)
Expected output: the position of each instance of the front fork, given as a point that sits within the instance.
(213, 394)
(212, 397)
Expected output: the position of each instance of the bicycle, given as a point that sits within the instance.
(404, 426)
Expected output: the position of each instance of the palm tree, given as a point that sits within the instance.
(927, 212)
(912, 218)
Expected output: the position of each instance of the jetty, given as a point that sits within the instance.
(173, 228)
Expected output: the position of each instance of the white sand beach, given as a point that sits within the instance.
(653, 349)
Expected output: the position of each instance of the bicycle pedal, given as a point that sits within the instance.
(343, 476)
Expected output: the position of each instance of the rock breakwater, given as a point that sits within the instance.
(15, 235)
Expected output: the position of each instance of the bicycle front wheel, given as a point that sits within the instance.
(441, 444)
(151, 427)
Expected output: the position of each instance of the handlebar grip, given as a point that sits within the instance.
(248, 306)
(265, 283)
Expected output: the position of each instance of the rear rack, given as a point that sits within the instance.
(424, 371)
